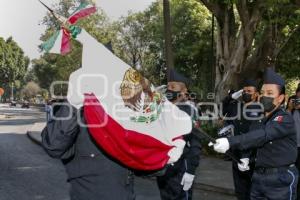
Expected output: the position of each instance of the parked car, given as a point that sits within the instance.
(25, 104)
(13, 103)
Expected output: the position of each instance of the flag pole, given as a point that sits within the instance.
(59, 18)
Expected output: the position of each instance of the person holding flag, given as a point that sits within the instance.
(113, 121)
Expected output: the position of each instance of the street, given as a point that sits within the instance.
(28, 173)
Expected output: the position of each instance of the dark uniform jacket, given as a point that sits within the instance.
(274, 138)
(93, 174)
(169, 184)
(192, 150)
(246, 122)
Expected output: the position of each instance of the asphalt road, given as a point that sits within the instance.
(27, 173)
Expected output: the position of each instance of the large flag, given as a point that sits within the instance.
(125, 114)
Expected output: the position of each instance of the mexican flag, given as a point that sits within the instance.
(126, 115)
(82, 11)
(60, 41)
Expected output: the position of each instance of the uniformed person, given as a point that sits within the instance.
(92, 174)
(176, 183)
(295, 110)
(275, 175)
(248, 114)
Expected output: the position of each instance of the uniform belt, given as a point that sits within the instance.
(267, 170)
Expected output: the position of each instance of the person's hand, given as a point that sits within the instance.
(221, 145)
(244, 165)
(237, 94)
(187, 181)
(176, 152)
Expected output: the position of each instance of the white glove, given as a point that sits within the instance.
(221, 145)
(187, 181)
(176, 152)
(237, 94)
(244, 166)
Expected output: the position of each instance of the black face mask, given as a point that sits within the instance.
(267, 102)
(247, 97)
(172, 95)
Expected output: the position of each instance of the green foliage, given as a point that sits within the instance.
(30, 76)
(13, 64)
(30, 90)
(142, 34)
(138, 40)
(291, 86)
(288, 62)
(191, 43)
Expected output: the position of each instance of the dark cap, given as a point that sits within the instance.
(271, 77)
(177, 77)
(250, 83)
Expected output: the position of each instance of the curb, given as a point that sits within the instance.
(2, 116)
(35, 136)
(212, 188)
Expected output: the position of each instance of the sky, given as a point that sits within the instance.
(21, 19)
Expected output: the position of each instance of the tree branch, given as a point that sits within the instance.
(214, 8)
(257, 11)
(243, 11)
(278, 50)
(263, 54)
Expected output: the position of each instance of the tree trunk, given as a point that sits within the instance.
(233, 46)
(225, 44)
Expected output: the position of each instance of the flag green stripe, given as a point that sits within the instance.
(80, 7)
(47, 46)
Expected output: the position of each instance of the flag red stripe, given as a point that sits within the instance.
(66, 42)
(85, 12)
(133, 149)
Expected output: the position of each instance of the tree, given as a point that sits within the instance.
(13, 63)
(131, 43)
(250, 36)
(144, 36)
(30, 76)
(288, 62)
(30, 90)
(168, 37)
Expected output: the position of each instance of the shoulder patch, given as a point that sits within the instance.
(278, 119)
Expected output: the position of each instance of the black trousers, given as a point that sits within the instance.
(298, 167)
(170, 184)
(280, 185)
(242, 181)
(94, 188)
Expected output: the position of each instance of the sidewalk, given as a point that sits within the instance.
(213, 174)
(5, 105)
(2, 105)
